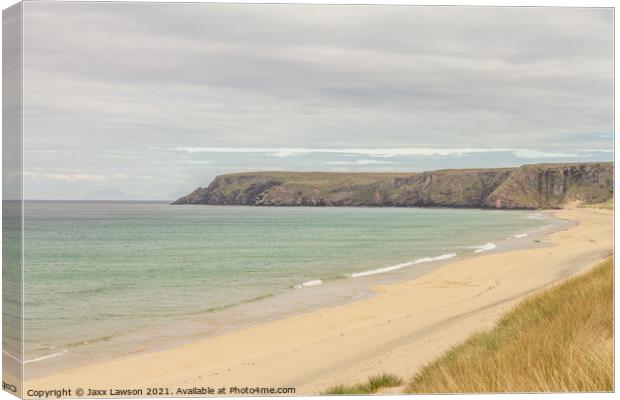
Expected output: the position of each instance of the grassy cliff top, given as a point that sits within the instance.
(323, 174)
(529, 186)
(374, 175)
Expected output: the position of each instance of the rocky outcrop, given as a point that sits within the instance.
(231, 189)
(526, 187)
(551, 185)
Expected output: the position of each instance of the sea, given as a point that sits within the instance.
(105, 279)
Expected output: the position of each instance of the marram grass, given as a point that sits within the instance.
(560, 340)
(606, 205)
(373, 384)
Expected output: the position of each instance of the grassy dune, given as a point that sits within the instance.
(559, 340)
(373, 384)
(605, 205)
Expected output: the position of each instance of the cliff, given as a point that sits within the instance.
(527, 187)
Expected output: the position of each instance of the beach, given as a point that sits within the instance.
(150, 276)
(398, 330)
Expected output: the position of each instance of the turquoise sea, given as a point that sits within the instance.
(98, 275)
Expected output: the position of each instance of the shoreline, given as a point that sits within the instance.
(294, 301)
(385, 319)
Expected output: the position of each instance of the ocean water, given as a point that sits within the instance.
(97, 274)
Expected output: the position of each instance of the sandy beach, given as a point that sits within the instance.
(396, 331)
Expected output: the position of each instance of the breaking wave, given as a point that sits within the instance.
(402, 265)
(45, 357)
(314, 282)
(485, 247)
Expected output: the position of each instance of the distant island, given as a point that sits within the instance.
(534, 186)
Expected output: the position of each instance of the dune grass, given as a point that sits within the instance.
(605, 205)
(557, 341)
(373, 384)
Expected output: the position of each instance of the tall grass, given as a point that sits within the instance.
(373, 384)
(557, 341)
(606, 205)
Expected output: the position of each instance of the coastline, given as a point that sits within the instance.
(298, 299)
(396, 330)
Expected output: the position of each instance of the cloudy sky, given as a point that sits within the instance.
(150, 100)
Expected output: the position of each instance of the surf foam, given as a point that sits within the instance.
(400, 266)
(485, 247)
(45, 357)
(314, 282)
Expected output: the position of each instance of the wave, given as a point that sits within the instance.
(381, 270)
(438, 258)
(522, 235)
(314, 282)
(400, 266)
(485, 247)
(32, 360)
(6, 353)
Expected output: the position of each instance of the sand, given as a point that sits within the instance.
(396, 331)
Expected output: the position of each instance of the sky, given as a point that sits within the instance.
(149, 101)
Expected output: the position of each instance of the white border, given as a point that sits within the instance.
(539, 3)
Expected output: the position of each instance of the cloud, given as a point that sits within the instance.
(284, 152)
(199, 162)
(359, 162)
(443, 87)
